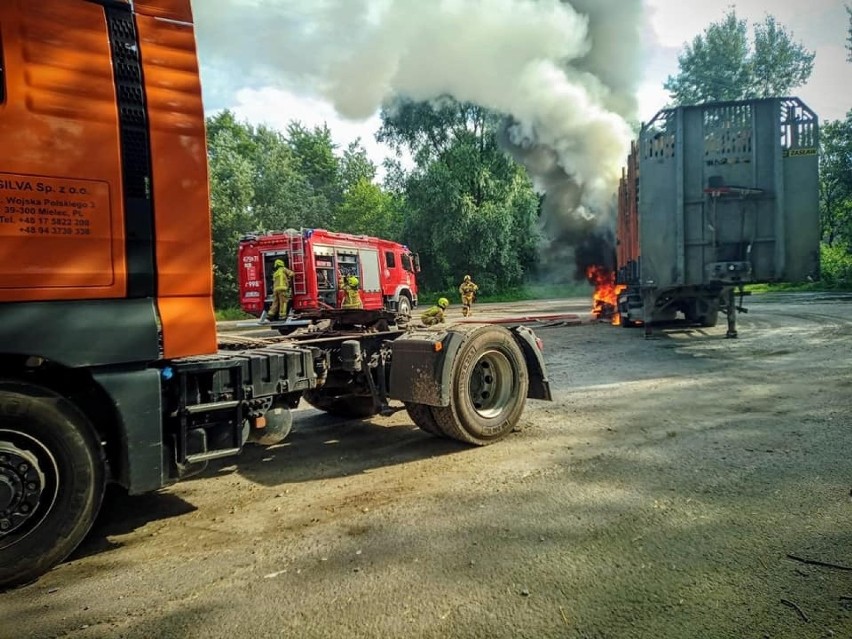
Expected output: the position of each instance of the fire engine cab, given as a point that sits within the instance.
(386, 271)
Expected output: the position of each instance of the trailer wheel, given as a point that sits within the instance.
(703, 313)
(347, 406)
(422, 416)
(710, 319)
(489, 388)
(52, 477)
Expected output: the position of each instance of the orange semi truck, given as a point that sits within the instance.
(110, 363)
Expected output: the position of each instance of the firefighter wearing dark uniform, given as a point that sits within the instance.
(435, 315)
(467, 290)
(281, 277)
(349, 285)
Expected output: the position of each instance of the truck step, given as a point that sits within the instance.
(212, 454)
(206, 408)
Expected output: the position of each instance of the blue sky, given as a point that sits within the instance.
(821, 25)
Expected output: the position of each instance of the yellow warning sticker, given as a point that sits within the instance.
(794, 153)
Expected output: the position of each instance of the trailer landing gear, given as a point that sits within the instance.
(732, 316)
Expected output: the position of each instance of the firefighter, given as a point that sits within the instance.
(281, 299)
(467, 290)
(349, 285)
(435, 315)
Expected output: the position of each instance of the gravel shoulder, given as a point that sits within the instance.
(659, 495)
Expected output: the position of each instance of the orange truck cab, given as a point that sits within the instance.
(108, 345)
(110, 369)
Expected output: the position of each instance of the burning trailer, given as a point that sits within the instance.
(714, 197)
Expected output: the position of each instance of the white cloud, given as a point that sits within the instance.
(821, 26)
(675, 21)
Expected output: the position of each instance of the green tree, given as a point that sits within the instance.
(262, 179)
(284, 197)
(721, 64)
(778, 63)
(369, 210)
(314, 151)
(469, 208)
(835, 163)
(231, 195)
(355, 166)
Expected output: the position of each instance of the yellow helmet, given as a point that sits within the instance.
(443, 302)
(467, 278)
(352, 280)
(279, 263)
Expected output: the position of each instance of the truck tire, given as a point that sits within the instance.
(403, 306)
(710, 319)
(422, 416)
(347, 406)
(52, 476)
(703, 313)
(489, 388)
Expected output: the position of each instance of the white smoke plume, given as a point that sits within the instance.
(564, 73)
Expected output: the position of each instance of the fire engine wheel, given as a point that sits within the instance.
(347, 406)
(403, 306)
(490, 383)
(422, 416)
(52, 479)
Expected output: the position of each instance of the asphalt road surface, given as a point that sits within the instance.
(676, 487)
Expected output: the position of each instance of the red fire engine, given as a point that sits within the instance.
(386, 271)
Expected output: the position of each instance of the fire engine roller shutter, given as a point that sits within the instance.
(135, 151)
(370, 281)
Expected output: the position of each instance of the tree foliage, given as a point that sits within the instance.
(469, 208)
(722, 64)
(369, 210)
(835, 162)
(262, 179)
(465, 206)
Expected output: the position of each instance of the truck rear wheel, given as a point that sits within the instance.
(52, 479)
(348, 406)
(422, 416)
(489, 388)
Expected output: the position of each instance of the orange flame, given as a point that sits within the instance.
(605, 298)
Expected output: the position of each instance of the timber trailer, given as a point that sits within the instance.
(112, 369)
(714, 197)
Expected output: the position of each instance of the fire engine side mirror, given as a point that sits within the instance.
(416, 262)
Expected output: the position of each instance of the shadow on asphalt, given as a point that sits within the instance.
(320, 447)
(326, 447)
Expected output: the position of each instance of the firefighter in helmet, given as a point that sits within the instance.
(467, 290)
(281, 298)
(435, 315)
(351, 297)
